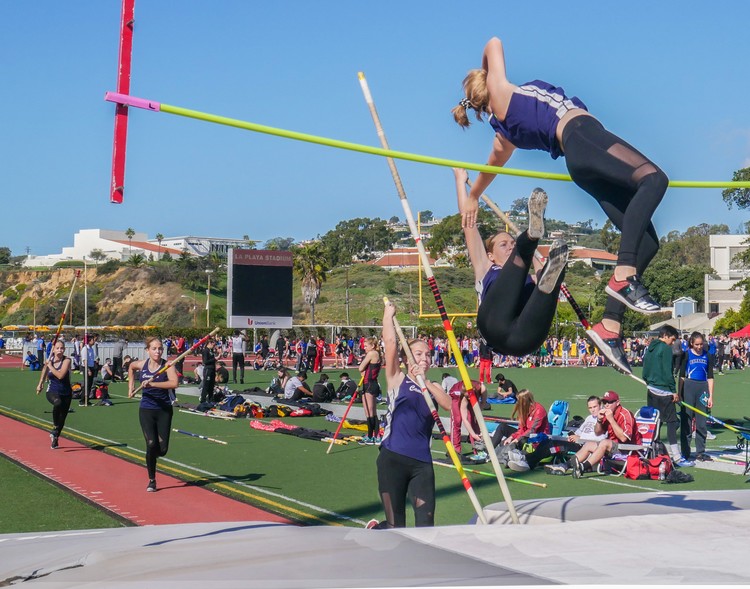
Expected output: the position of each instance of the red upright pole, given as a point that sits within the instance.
(121, 111)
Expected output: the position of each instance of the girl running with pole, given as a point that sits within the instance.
(159, 380)
(59, 390)
(627, 185)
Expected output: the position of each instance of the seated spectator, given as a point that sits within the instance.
(447, 381)
(295, 388)
(31, 361)
(278, 382)
(584, 433)
(532, 419)
(106, 373)
(347, 388)
(506, 389)
(323, 391)
(619, 426)
(222, 374)
(258, 362)
(198, 372)
(126, 360)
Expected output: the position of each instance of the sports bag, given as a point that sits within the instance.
(638, 468)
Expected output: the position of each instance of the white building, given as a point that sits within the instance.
(115, 245)
(202, 246)
(718, 294)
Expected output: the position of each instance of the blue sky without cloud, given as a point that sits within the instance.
(669, 77)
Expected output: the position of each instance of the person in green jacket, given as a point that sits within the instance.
(661, 390)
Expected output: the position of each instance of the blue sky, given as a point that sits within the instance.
(669, 77)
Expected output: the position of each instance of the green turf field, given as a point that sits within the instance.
(295, 477)
(32, 504)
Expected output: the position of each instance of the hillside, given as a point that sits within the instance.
(143, 296)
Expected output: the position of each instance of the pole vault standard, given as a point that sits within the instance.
(119, 142)
(433, 410)
(154, 106)
(171, 363)
(439, 302)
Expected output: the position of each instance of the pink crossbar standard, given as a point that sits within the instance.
(128, 100)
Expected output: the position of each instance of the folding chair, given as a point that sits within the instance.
(558, 418)
(647, 422)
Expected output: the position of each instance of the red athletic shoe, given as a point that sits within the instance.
(610, 345)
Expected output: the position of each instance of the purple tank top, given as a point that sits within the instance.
(408, 428)
(151, 397)
(492, 274)
(534, 111)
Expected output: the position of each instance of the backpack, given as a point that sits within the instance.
(231, 402)
(638, 468)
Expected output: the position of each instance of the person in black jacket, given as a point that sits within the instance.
(209, 371)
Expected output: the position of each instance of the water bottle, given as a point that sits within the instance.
(662, 470)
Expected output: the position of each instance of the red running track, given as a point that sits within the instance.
(118, 485)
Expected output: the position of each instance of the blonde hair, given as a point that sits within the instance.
(475, 88)
(489, 243)
(151, 339)
(524, 401)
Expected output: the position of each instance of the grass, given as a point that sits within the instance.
(295, 477)
(40, 506)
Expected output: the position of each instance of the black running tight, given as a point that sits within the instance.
(60, 408)
(627, 186)
(156, 425)
(511, 320)
(399, 476)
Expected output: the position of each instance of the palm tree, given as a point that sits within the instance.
(311, 266)
(136, 260)
(159, 238)
(130, 232)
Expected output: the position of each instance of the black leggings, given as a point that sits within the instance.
(60, 408)
(627, 186)
(156, 425)
(399, 476)
(510, 320)
(207, 386)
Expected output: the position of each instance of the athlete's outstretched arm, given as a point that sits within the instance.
(493, 60)
(393, 373)
(474, 244)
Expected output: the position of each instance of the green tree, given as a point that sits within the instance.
(394, 219)
(610, 237)
(359, 237)
(130, 233)
(98, 256)
(283, 244)
(136, 260)
(426, 216)
(4, 255)
(668, 279)
(520, 206)
(738, 196)
(159, 239)
(311, 265)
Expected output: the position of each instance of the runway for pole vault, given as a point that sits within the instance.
(119, 486)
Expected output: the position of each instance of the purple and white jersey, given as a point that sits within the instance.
(409, 422)
(482, 286)
(534, 111)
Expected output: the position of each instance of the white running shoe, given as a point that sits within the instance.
(537, 205)
(558, 258)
